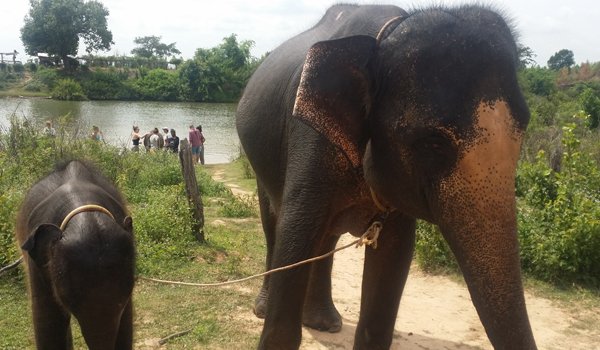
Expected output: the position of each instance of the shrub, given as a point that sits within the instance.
(431, 250)
(163, 229)
(30, 66)
(34, 86)
(9, 202)
(106, 85)
(18, 68)
(239, 207)
(559, 216)
(68, 89)
(158, 85)
(47, 76)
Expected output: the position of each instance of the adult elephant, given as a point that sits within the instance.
(79, 252)
(379, 114)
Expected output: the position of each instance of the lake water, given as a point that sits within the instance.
(116, 118)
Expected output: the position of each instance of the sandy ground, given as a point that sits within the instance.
(437, 313)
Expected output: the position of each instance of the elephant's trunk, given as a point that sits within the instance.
(478, 219)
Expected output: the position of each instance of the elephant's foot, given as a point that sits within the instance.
(324, 319)
(260, 304)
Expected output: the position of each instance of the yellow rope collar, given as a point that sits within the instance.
(81, 209)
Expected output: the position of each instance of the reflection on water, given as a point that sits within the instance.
(116, 118)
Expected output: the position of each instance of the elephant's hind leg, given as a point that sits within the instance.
(269, 220)
(385, 272)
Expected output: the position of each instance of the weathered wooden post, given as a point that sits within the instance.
(191, 188)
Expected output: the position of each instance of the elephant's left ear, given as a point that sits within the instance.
(333, 96)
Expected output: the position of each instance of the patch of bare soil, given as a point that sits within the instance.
(437, 313)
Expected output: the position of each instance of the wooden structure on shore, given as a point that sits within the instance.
(14, 57)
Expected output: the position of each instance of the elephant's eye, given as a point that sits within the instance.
(434, 155)
(435, 144)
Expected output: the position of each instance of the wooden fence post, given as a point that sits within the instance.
(191, 188)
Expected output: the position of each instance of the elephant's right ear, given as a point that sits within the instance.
(333, 96)
(40, 241)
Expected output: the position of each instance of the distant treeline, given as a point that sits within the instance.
(214, 75)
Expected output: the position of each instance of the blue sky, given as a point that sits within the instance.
(545, 26)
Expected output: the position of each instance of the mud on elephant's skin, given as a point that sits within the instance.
(78, 248)
(420, 112)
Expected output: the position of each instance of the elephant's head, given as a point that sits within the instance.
(434, 117)
(90, 266)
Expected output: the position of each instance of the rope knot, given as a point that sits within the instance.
(369, 238)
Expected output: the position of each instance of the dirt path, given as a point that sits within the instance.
(437, 313)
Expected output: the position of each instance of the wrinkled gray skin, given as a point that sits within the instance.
(431, 120)
(87, 270)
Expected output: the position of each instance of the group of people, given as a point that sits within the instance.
(155, 140)
(169, 140)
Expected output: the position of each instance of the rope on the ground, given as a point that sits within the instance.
(369, 238)
(11, 266)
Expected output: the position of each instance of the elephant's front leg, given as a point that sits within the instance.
(51, 322)
(319, 311)
(299, 229)
(384, 276)
(125, 334)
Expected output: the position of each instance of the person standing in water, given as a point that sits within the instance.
(96, 134)
(202, 139)
(135, 139)
(194, 137)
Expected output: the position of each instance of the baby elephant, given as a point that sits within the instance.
(77, 242)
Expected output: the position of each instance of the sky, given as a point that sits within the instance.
(544, 26)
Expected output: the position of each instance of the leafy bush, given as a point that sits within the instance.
(68, 89)
(158, 85)
(47, 76)
(142, 172)
(239, 207)
(9, 202)
(18, 68)
(30, 66)
(34, 86)
(431, 250)
(559, 216)
(163, 228)
(590, 102)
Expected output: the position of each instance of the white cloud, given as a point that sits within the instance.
(545, 26)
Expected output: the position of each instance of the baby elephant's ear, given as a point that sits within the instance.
(40, 242)
(128, 224)
(334, 92)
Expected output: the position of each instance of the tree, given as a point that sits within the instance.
(590, 102)
(56, 26)
(225, 69)
(151, 46)
(563, 58)
(526, 56)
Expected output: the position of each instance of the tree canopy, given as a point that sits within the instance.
(563, 58)
(56, 26)
(152, 47)
(219, 73)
